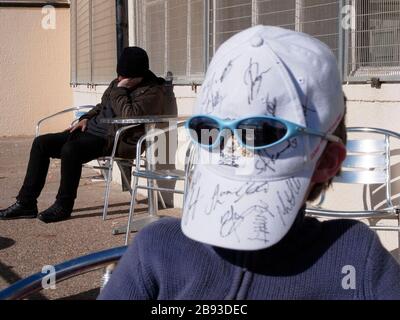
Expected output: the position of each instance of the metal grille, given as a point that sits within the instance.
(229, 17)
(73, 43)
(197, 34)
(172, 32)
(177, 35)
(83, 68)
(153, 37)
(93, 41)
(372, 44)
(104, 39)
(369, 47)
(319, 18)
(277, 13)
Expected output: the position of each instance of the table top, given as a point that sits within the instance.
(145, 119)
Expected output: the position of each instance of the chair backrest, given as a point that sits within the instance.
(68, 269)
(368, 160)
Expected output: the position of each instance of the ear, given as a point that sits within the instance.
(330, 162)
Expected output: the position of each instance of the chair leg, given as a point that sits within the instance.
(107, 191)
(162, 200)
(131, 209)
(103, 172)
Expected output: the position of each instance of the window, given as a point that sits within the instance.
(182, 35)
(229, 17)
(320, 18)
(277, 13)
(93, 41)
(372, 44)
(172, 32)
(317, 17)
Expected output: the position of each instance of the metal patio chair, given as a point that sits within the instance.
(370, 162)
(66, 270)
(105, 164)
(153, 174)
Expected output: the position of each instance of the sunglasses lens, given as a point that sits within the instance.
(260, 132)
(204, 130)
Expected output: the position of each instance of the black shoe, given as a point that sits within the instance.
(55, 213)
(19, 211)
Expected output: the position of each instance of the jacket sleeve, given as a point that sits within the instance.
(147, 103)
(96, 110)
(383, 273)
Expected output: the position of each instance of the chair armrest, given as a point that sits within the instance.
(153, 134)
(117, 136)
(39, 123)
(63, 271)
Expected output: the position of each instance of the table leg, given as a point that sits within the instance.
(152, 195)
(140, 223)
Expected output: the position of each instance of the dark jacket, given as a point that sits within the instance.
(149, 98)
(331, 260)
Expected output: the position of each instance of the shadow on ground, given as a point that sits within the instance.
(6, 243)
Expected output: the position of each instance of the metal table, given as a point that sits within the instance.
(150, 123)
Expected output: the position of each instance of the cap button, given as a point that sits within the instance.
(257, 41)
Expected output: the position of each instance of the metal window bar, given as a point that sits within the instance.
(224, 18)
(174, 40)
(93, 42)
(315, 17)
(372, 45)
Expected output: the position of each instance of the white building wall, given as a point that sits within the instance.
(34, 70)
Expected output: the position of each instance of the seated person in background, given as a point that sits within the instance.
(136, 92)
(244, 234)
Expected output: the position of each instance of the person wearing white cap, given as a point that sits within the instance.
(269, 135)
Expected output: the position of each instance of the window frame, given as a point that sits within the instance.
(210, 37)
(74, 74)
(188, 79)
(364, 74)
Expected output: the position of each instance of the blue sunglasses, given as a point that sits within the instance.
(253, 133)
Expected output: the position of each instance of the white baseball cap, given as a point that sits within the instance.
(251, 205)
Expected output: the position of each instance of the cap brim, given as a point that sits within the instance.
(241, 215)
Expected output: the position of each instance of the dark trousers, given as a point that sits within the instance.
(74, 149)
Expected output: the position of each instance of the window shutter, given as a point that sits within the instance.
(320, 19)
(196, 45)
(104, 41)
(277, 13)
(83, 42)
(73, 42)
(230, 17)
(177, 37)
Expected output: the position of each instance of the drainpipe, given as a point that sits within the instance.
(121, 25)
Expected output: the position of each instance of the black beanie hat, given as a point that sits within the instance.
(134, 62)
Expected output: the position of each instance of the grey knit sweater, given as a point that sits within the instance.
(338, 259)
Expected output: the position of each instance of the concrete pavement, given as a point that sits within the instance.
(28, 245)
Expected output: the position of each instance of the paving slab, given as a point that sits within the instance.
(28, 245)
